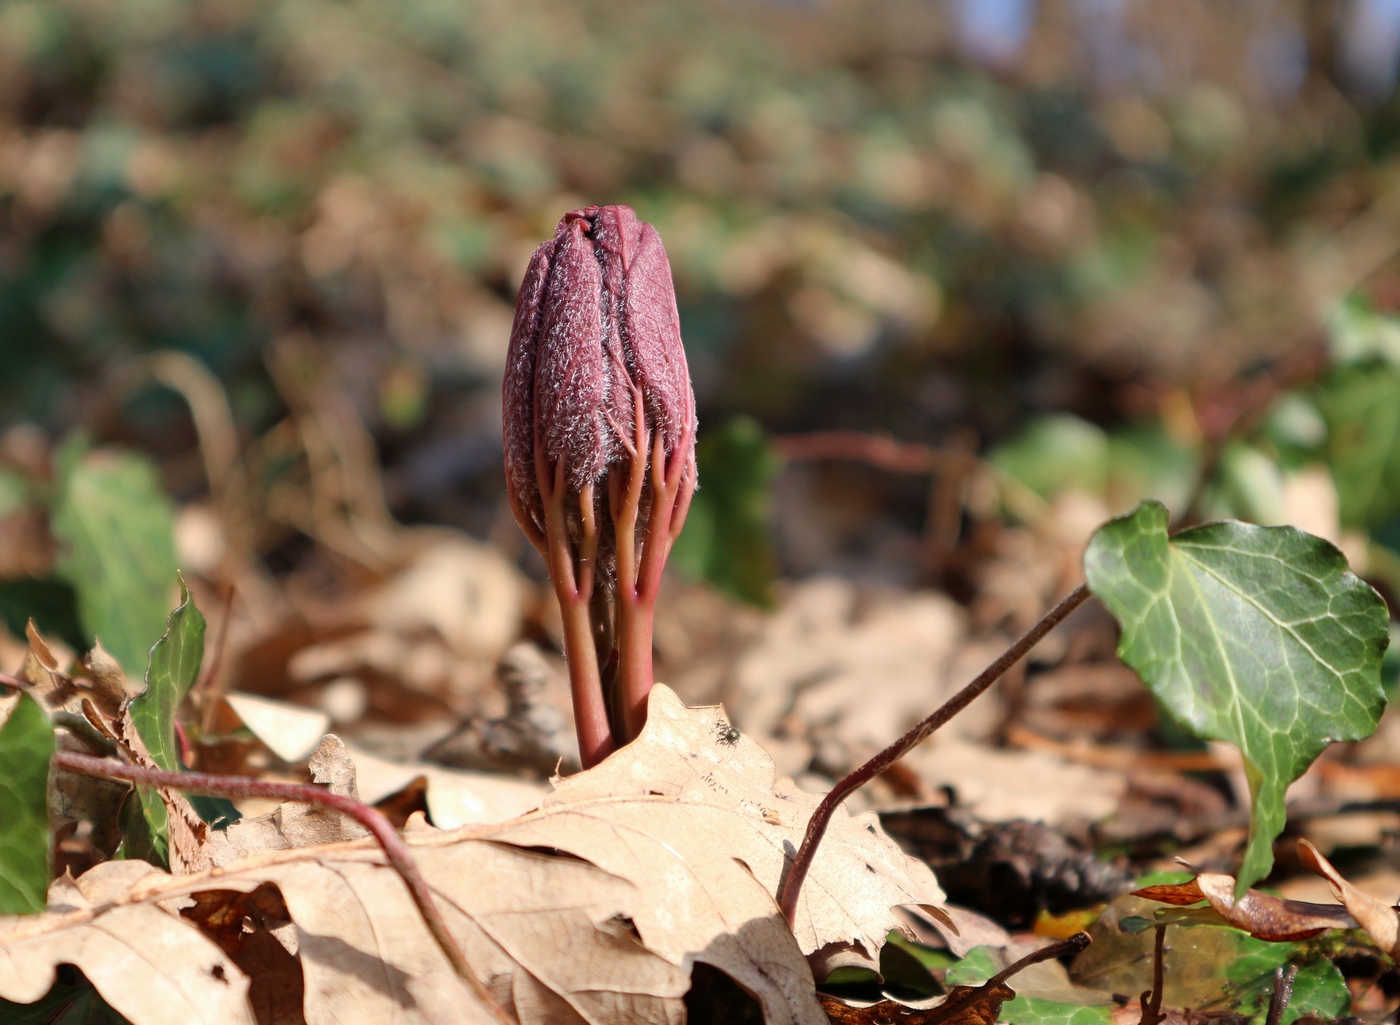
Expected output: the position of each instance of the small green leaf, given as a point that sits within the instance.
(725, 541)
(1055, 454)
(26, 748)
(171, 672)
(1362, 407)
(1318, 988)
(118, 531)
(1259, 636)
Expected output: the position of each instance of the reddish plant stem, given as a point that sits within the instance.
(791, 887)
(573, 586)
(1283, 993)
(672, 485)
(395, 849)
(633, 637)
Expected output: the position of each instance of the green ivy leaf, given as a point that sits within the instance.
(1260, 636)
(171, 672)
(117, 528)
(26, 748)
(1057, 453)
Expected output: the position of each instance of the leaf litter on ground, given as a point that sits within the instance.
(594, 907)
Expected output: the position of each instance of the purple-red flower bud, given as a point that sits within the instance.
(595, 319)
(599, 424)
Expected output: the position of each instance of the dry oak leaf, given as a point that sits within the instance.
(547, 935)
(147, 964)
(712, 793)
(592, 909)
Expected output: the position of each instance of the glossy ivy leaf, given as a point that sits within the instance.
(117, 529)
(1259, 636)
(173, 668)
(26, 748)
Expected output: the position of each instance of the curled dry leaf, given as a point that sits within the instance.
(297, 825)
(189, 844)
(1262, 915)
(1380, 920)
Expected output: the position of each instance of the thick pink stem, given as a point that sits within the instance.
(573, 586)
(672, 484)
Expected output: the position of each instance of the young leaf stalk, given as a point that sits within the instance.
(599, 436)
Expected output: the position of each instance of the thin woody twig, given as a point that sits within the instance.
(853, 781)
(395, 849)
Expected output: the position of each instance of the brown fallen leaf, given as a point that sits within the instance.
(147, 964)
(594, 908)
(291, 732)
(1380, 920)
(1262, 915)
(724, 787)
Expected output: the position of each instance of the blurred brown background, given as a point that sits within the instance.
(940, 221)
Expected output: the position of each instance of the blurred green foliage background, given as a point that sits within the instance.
(939, 220)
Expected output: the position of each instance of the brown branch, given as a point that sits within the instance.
(395, 849)
(791, 886)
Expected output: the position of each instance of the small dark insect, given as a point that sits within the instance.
(726, 734)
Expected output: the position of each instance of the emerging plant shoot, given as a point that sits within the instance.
(599, 430)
